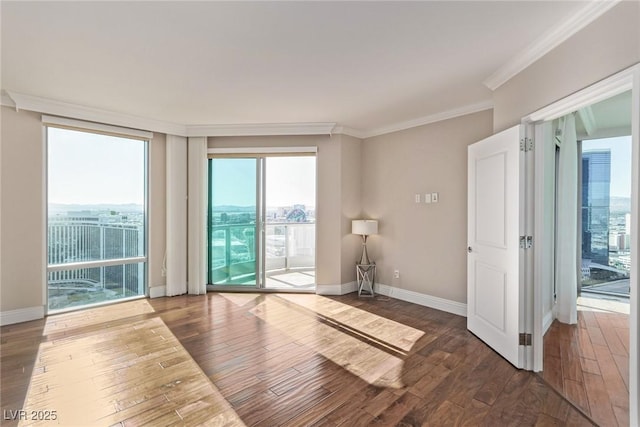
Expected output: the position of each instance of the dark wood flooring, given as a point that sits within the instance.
(283, 359)
(589, 364)
(274, 359)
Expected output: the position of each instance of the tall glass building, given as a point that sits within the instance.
(596, 184)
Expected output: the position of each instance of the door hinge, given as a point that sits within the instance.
(526, 242)
(526, 144)
(525, 339)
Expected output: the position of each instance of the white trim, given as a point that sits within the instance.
(547, 320)
(604, 89)
(549, 41)
(437, 303)
(342, 289)
(65, 109)
(628, 79)
(543, 235)
(421, 121)
(21, 315)
(97, 127)
(6, 101)
(93, 264)
(262, 150)
(634, 297)
(157, 291)
(588, 119)
(97, 115)
(345, 130)
(260, 129)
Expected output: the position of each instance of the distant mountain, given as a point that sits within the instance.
(620, 204)
(122, 208)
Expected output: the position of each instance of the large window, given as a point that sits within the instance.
(606, 215)
(96, 194)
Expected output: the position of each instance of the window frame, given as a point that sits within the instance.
(108, 130)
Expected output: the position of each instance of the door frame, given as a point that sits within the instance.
(628, 79)
(259, 153)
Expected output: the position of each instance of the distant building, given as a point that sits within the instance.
(82, 237)
(596, 184)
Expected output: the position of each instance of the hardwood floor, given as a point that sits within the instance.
(272, 359)
(115, 365)
(312, 360)
(589, 364)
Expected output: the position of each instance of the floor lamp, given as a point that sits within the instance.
(364, 227)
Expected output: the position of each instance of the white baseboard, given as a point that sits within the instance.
(341, 289)
(21, 315)
(442, 304)
(157, 291)
(547, 320)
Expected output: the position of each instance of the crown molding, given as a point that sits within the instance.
(261, 129)
(445, 115)
(344, 130)
(91, 114)
(6, 101)
(549, 41)
(588, 119)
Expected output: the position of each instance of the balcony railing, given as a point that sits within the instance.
(232, 256)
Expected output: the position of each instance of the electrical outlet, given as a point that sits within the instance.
(396, 274)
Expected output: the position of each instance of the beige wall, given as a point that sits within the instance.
(332, 243)
(426, 242)
(606, 46)
(351, 195)
(23, 234)
(22, 169)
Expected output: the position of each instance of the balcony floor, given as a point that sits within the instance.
(299, 280)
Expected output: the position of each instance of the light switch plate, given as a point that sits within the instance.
(417, 198)
(434, 197)
(427, 198)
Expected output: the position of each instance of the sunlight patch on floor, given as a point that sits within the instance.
(603, 304)
(109, 371)
(238, 298)
(357, 355)
(96, 315)
(379, 328)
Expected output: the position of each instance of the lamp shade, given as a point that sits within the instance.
(365, 227)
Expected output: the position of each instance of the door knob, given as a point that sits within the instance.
(469, 249)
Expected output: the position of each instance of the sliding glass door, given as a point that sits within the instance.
(261, 222)
(290, 222)
(233, 210)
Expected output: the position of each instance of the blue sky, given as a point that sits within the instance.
(87, 168)
(620, 162)
(289, 181)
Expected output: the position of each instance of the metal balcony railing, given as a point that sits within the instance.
(232, 252)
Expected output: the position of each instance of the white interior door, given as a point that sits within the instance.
(493, 262)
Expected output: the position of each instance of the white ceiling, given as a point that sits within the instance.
(363, 65)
